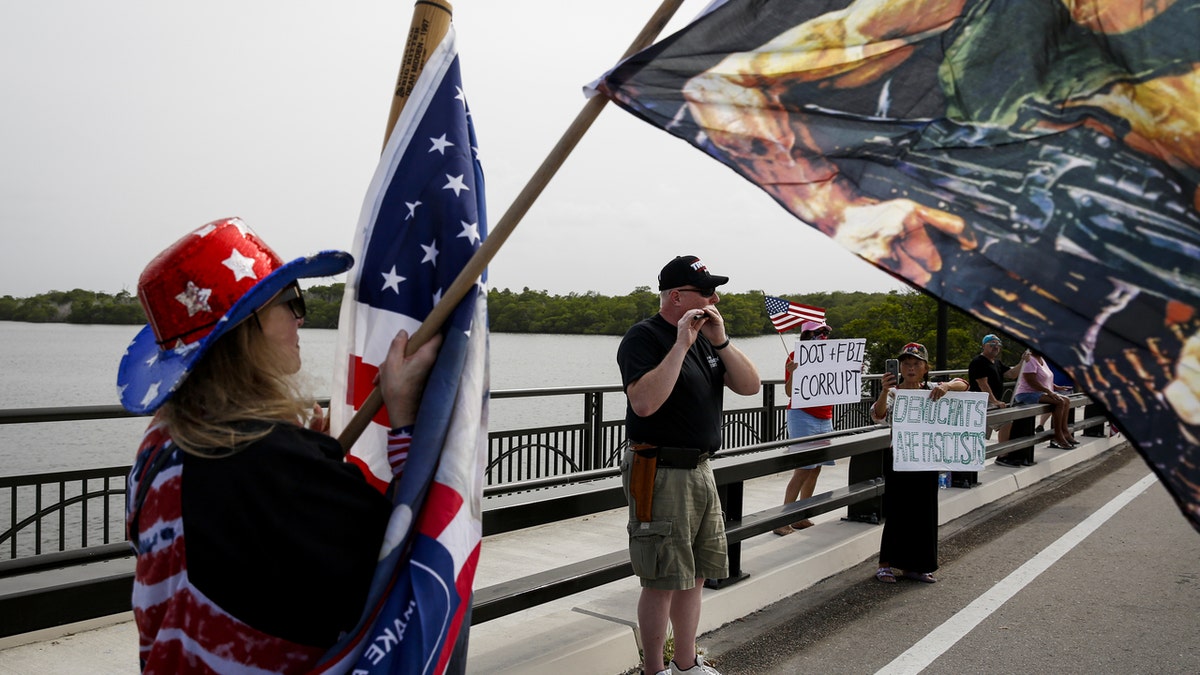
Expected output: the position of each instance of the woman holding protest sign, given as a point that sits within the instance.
(804, 422)
(910, 506)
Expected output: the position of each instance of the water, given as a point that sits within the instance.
(55, 365)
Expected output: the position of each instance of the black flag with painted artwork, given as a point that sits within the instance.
(1032, 163)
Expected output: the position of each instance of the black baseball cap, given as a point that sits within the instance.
(687, 270)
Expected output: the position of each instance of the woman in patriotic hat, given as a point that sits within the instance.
(255, 542)
(910, 506)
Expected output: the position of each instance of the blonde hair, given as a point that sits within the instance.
(242, 379)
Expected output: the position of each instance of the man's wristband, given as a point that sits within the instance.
(723, 345)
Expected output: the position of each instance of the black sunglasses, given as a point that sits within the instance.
(702, 292)
(293, 298)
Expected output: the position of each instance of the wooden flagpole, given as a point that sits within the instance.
(429, 25)
(430, 22)
(500, 233)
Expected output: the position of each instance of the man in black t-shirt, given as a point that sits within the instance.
(986, 374)
(674, 367)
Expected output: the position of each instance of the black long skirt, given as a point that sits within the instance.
(910, 512)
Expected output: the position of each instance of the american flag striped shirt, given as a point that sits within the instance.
(180, 627)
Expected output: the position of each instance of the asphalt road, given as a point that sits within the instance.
(1023, 588)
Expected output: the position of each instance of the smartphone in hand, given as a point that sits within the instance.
(893, 366)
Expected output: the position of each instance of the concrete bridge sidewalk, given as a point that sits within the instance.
(592, 631)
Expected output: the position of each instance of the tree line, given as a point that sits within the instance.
(886, 320)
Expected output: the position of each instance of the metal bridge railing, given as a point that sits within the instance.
(44, 602)
(73, 510)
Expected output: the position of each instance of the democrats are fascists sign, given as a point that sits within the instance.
(827, 372)
(948, 434)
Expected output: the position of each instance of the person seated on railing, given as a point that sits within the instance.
(803, 422)
(1062, 383)
(255, 541)
(910, 498)
(675, 367)
(1036, 385)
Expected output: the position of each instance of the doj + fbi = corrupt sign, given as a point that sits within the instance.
(827, 372)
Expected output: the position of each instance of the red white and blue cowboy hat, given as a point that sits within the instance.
(196, 291)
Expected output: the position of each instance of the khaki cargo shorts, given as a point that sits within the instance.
(685, 538)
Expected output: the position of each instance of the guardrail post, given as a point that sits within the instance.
(731, 495)
(1093, 410)
(593, 418)
(1021, 428)
(766, 420)
(865, 467)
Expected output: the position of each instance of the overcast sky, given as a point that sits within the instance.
(127, 123)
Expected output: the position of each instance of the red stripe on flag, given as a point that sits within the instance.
(441, 505)
(372, 479)
(360, 385)
(786, 322)
(463, 584)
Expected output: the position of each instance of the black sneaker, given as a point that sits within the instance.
(1007, 462)
(1028, 462)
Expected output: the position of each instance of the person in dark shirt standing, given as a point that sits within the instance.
(986, 373)
(910, 498)
(674, 368)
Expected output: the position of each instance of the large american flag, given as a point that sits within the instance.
(786, 315)
(422, 219)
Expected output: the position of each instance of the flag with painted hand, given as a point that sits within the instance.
(786, 315)
(422, 219)
(1032, 163)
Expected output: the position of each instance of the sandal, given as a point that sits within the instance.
(802, 524)
(886, 575)
(923, 577)
(1058, 446)
(783, 531)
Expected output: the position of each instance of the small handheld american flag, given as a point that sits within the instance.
(786, 315)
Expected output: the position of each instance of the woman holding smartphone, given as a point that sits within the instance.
(910, 507)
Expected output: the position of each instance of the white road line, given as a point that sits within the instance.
(958, 626)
